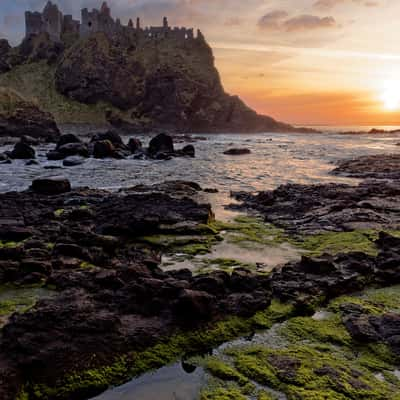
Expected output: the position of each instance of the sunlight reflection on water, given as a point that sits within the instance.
(275, 159)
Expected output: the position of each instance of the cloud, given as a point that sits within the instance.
(272, 20)
(308, 22)
(233, 21)
(327, 5)
(278, 21)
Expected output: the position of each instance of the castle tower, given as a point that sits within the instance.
(33, 23)
(165, 23)
(138, 23)
(130, 23)
(105, 10)
(52, 21)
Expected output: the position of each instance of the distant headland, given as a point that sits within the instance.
(134, 78)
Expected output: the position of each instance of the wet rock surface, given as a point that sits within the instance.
(327, 277)
(237, 152)
(311, 209)
(111, 295)
(109, 144)
(367, 328)
(22, 151)
(384, 166)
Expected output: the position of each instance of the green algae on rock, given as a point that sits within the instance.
(330, 330)
(96, 380)
(247, 231)
(341, 242)
(19, 299)
(373, 301)
(230, 392)
(306, 370)
(320, 360)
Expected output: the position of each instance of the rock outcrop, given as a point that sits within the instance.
(4, 52)
(378, 166)
(109, 144)
(111, 296)
(178, 89)
(313, 209)
(152, 79)
(19, 117)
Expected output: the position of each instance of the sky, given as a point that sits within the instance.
(319, 62)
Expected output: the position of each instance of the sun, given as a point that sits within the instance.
(390, 96)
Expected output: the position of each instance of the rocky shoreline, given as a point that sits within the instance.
(110, 298)
(85, 243)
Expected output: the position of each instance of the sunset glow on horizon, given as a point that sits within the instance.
(299, 61)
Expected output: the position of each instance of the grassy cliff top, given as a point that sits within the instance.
(35, 82)
(10, 100)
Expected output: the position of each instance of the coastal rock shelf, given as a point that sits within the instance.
(313, 209)
(380, 166)
(110, 296)
(113, 313)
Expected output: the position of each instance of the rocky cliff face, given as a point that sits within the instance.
(19, 117)
(149, 84)
(157, 83)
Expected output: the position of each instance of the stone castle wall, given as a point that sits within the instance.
(53, 22)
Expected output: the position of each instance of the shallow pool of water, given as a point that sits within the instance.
(174, 382)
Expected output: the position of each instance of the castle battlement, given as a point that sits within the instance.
(53, 22)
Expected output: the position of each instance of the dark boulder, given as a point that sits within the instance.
(134, 145)
(103, 149)
(237, 152)
(188, 151)
(30, 140)
(73, 161)
(68, 150)
(51, 186)
(4, 158)
(31, 162)
(54, 155)
(73, 149)
(67, 139)
(111, 136)
(161, 144)
(366, 327)
(195, 305)
(22, 151)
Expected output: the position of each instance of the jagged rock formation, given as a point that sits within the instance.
(19, 117)
(153, 78)
(4, 51)
(118, 298)
(161, 84)
(376, 166)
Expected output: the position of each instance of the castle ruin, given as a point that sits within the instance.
(56, 25)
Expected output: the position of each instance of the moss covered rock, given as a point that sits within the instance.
(19, 117)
